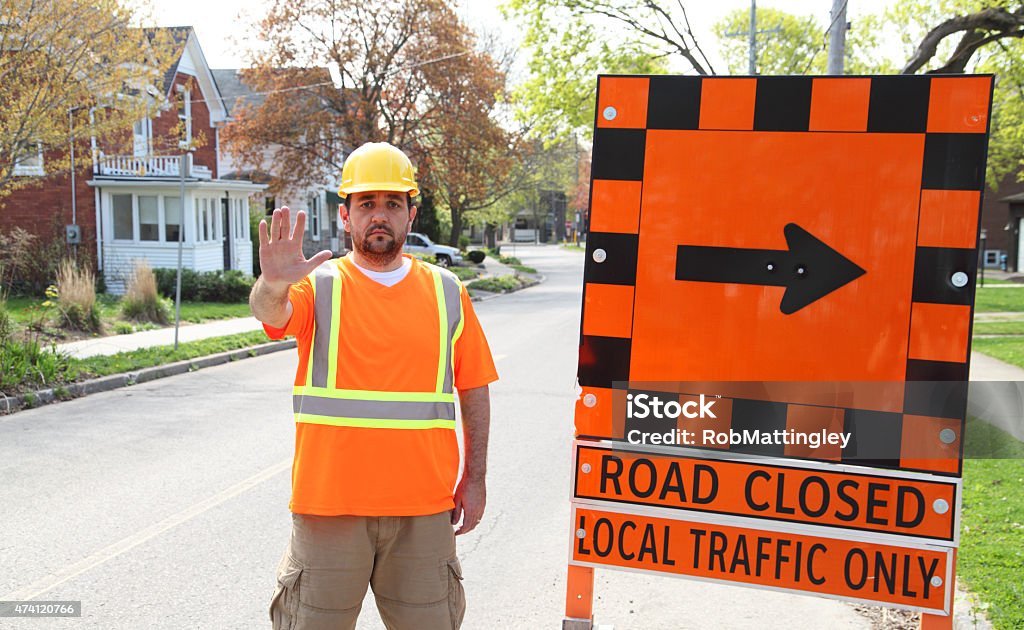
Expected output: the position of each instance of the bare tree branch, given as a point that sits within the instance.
(1004, 23)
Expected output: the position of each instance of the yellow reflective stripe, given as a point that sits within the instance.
(332, 353)
(442, 313)
(374, 424)
(312, 335)
(357, 394)
(458, 329)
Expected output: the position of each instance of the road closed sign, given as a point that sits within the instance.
(775, 338)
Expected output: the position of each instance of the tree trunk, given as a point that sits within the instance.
(453, 238)
(490, 236)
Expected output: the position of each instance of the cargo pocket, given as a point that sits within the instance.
(456, 593)
(285, 602)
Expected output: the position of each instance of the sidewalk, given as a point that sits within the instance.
(160, 337)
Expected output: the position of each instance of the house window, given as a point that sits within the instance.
(124, 222)
(314, 218)
(149, 219)
(29, 160)
(172, 219)
(140, 136)
(269, 206)
(185, 116)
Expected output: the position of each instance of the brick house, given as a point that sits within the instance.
(129, 206)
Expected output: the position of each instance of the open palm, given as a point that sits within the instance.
(281, 259)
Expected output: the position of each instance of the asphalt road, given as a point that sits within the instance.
(165, 505)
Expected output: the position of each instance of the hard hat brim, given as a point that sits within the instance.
(369, 187)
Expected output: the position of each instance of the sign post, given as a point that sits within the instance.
(775, 340)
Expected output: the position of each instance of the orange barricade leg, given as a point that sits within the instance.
(941, 622)
(579, 598)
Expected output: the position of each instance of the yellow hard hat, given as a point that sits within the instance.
(377, 166)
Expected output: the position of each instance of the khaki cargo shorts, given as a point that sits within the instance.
(409, 561)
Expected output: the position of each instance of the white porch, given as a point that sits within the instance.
(140, 219)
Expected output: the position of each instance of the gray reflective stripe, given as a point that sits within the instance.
(453, 306)
(373, 409)
(322, 314)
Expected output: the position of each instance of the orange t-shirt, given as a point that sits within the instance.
(387, 342)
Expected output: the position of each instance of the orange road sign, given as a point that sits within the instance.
(788, 229)
(775, 232)
(920, 506)
(914, 577)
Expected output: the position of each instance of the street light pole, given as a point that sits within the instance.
(984, 236)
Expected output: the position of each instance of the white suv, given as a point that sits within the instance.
(416, 243)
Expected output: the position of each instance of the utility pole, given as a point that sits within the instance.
(751, 36)
(837, 37)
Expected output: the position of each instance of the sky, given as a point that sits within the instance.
(221, 26)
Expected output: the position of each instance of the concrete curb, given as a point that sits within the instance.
(12, 404)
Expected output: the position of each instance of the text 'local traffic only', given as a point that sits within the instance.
(912, 577)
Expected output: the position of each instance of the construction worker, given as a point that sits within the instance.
(384, 340)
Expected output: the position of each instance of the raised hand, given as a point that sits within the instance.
(281, 259)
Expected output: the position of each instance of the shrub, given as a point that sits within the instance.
(209, 286)
(464, 273)
(141, 301)
(427, 258)
(24, 365)
(31, 262)
(463, 241)
(476, 256)
(76, 297)
(498, 284)
(509, 260)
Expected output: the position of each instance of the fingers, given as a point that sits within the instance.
(457, 511)
(300, 225)
(469, 522)
(284, 224)
(275, 226)
(264, 237)
(318, 259)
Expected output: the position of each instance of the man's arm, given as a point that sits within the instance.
(281, 264)
(471, 495)
(269, 303)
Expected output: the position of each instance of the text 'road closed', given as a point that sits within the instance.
(908, 577)
(911, 506)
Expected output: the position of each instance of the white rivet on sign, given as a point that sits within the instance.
(936, 581)
(590, 400)
(959, 279)
(580, 533)
(941, 506)
(771, 267)
(609, 113)
(948, 436)
(585, 468)
(600, 255)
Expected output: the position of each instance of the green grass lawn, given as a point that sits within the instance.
(991, 556)
(25, 311)
(1009, 349)
(996, 300)
(1015, 327)
(574, 248)
(93, 367)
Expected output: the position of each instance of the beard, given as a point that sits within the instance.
(380, 249)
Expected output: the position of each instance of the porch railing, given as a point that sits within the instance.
(150, 166)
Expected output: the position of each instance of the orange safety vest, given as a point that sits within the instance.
(318, 401)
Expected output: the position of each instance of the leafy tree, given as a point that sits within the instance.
(73, 68)
(791, 50)
(568, 50)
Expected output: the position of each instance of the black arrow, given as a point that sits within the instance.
(809, 269)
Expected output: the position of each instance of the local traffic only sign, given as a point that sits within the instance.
(775, 338)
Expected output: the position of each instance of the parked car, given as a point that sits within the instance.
(416, 243)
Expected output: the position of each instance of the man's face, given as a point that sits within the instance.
(379, 222)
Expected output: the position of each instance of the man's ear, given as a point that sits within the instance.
(343, 212)
(412, 215)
